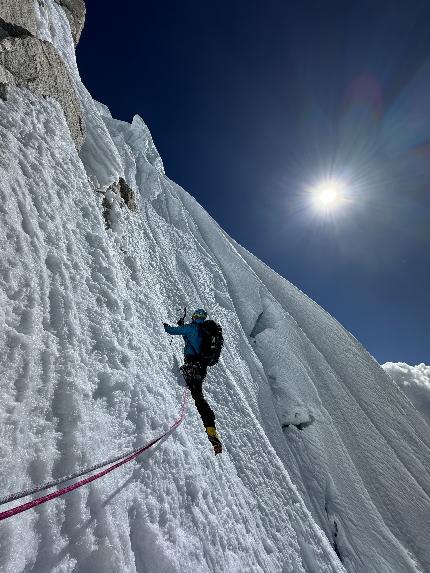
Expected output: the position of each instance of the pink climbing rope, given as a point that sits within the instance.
(40, 500)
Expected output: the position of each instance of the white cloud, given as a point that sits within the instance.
(415, 383)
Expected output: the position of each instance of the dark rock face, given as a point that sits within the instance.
(75, 12)
(28, 62)
(36, 65)
(18, 17)
(127, 194)
(119, 194)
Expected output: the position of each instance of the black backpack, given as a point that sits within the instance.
(212, 342)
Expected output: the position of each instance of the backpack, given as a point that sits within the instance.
(212, 342)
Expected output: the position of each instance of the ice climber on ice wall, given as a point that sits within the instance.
(203, 342)
(85, 376)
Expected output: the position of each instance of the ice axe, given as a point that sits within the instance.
(181, 320)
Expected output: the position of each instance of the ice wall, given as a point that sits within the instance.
(326, 462)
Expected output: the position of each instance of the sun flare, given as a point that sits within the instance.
(328, 195)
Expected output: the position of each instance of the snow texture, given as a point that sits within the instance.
(326, 462)
(415, 383)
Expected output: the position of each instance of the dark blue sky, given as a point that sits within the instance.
(252, 102)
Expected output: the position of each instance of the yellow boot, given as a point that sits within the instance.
(214, 439)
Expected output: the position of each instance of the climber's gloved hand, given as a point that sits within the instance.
(180, 322)
(165, 325)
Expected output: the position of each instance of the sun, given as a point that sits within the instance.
(328, 195)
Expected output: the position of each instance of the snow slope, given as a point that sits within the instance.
(415, 383)
(326, 461)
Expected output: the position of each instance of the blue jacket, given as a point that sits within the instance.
(192, 336)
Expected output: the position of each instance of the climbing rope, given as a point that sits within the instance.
(124, 459)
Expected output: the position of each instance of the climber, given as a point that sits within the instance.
(203, 343)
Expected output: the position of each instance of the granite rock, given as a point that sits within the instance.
(36, 65)
(17, 18)
(75, 12)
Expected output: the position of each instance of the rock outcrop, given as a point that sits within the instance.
(75, 12)
(35, 64)
(17, 18)
(119, 194)
(29, 62)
